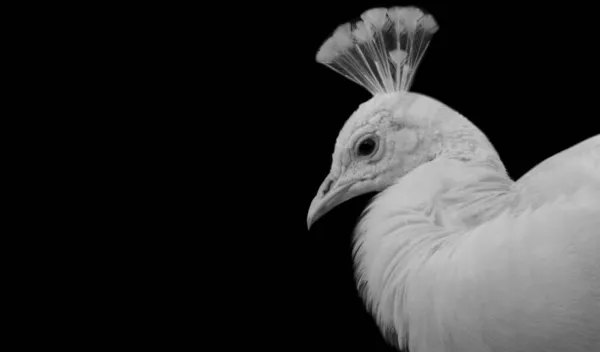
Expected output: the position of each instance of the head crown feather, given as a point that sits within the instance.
(381, 52)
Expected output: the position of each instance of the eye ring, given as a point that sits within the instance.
(367, 146)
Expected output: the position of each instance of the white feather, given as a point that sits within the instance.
(453, 256)
(456, 257)
(381, 52)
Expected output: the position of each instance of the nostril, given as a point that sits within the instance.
(327, 186)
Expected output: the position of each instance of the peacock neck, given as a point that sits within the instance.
(431, 207)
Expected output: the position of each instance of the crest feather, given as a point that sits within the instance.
(381, 52)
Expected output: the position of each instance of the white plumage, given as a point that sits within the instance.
(452, 255)
(382, 51)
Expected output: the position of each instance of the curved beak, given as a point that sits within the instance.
(330, 195)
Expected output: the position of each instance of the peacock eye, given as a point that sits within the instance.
(366, 146)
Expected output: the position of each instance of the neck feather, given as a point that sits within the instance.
(427, 209)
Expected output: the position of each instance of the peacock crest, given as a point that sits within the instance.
(381, 52)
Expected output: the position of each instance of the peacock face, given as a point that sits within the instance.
(379, 144)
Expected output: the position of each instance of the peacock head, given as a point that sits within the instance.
(387, 137)
(394, 131)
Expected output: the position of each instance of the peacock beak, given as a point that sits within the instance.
(330, 194)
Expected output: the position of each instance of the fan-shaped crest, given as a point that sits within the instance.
(381, 52)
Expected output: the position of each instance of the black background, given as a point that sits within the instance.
(526, 76)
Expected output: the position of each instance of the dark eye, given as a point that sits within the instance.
(366, 146)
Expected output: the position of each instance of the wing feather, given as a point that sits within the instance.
(526, 280)
(562, 174)
(529, 282)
